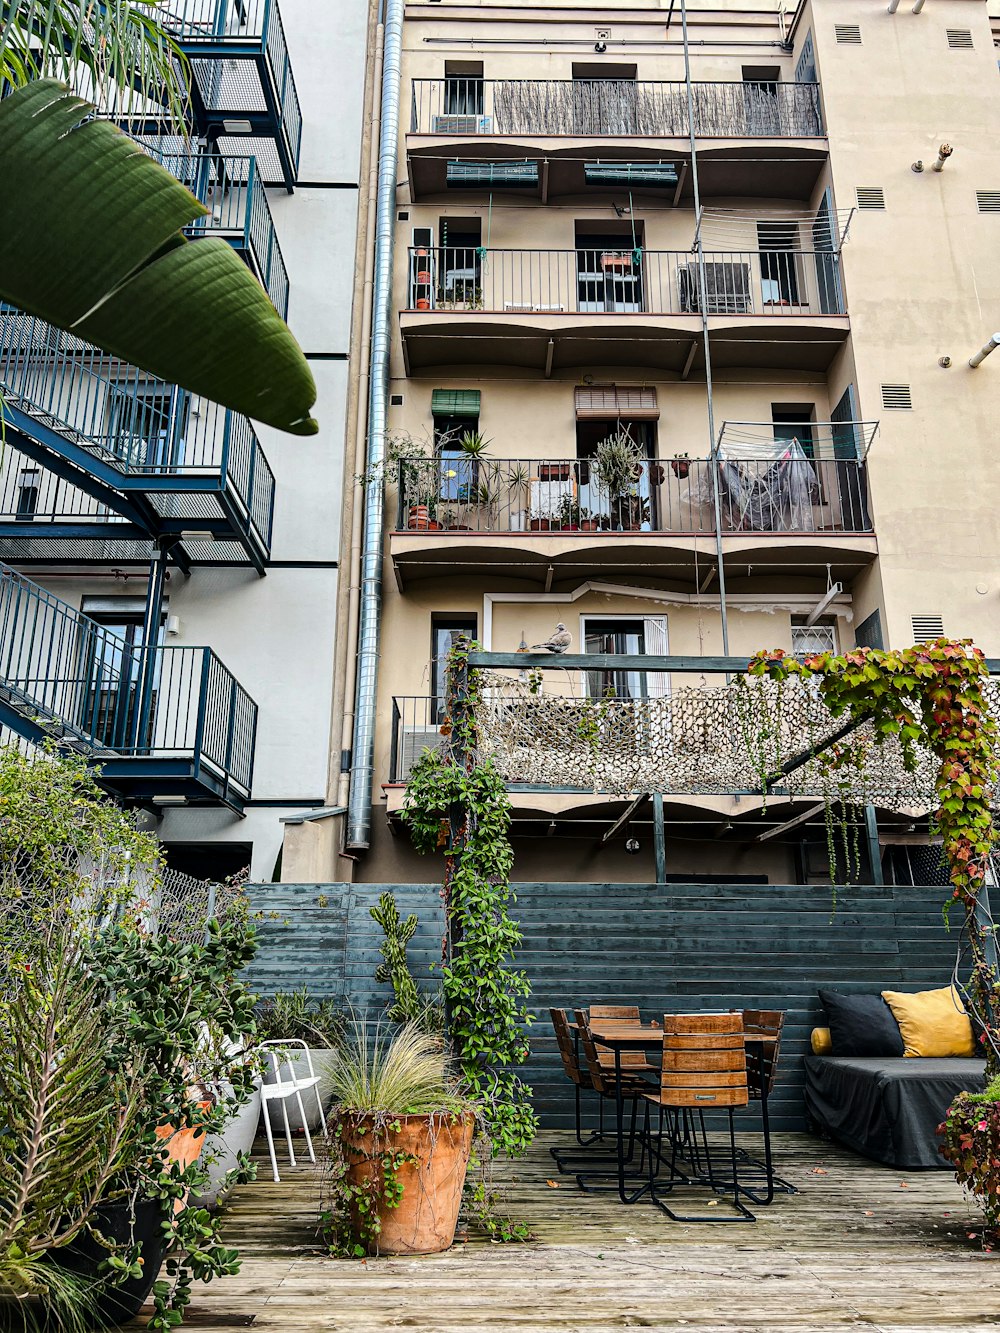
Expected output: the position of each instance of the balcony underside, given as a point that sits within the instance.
(137, 779)
(727, 168)
(543, 559)
(42, 544)
(671, 344)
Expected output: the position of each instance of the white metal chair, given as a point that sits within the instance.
(284, 1087)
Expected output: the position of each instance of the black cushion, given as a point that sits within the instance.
(861, 1024)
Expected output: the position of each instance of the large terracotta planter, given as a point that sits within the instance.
(424, 1221)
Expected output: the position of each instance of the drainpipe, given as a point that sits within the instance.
(363, 765)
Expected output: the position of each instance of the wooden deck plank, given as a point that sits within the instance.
(860, 1247)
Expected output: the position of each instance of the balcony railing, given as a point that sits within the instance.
(222, 37)
(623, 108)
(132, 427)
(789, 493)
(625, 281)
(230, 187)
(169, 714)
(416, 727)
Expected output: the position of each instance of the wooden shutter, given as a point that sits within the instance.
(598, 401)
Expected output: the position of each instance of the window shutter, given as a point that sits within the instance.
(655, 637)
(455, 403)
(609, 400)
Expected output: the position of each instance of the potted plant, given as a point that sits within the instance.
(297, 1016)
(618, 464)
(971, 1144)
(399, 1143)
(541, 522)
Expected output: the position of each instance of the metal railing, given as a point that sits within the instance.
(416, 727)
(625, 281)
(235, 30)
(117, 699)
(230, 188)
(795, 493)
(139, 425)
(625, 108)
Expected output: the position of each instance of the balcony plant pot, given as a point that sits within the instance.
(539, 524)
(422, 303)
(113, 1305)
(554, 471)
(222, 1150)
(436, 1148)
(419, 519)
(590, 525)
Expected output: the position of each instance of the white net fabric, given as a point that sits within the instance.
(718, 740)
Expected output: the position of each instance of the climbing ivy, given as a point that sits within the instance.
(932, 696)
(457, 804)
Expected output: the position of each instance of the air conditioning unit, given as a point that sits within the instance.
(457, 124)
(413, 742)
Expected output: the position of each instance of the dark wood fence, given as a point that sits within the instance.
(669, 948)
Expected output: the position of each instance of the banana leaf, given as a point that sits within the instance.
(91, 240)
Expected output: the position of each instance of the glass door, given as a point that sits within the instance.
(112, 671)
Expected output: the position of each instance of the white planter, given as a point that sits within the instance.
(220, 1152)
(322, 1057)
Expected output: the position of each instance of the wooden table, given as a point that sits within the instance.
(618, 1036)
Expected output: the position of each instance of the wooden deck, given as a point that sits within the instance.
(859, 1247)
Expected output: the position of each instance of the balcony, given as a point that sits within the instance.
(549, 121)
(157, 722)
(416, 727)
(243, 87)
(231, 189)
(557, 517)
(559, 309)
(160, 457)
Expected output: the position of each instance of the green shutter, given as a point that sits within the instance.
(455, 403)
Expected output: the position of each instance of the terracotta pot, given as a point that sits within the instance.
(539, 524)
(424, 1221)
(423, 303)
(590, 525)
(419, 518)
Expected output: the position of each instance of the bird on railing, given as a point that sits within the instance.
(557, 642)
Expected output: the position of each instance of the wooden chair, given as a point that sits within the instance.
(579, 1076)
(605, 1084)
(621, 1013)
(704, 1068)
(762, 1064)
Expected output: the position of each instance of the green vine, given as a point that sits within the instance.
(930, 695)
(457, 803)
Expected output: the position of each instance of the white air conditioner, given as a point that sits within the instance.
(414, 741)
(455, 124)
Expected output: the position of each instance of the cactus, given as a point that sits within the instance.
(398, 933)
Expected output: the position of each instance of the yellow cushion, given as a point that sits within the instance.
(933, 1022)
(821, 1041)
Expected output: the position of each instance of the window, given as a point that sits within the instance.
(146, 423)
(794, 421)
(112, 669)
(779, 275)
(609, 268)
(463, 88)
(634, 510)
(646, 635)
(460, 264)
(805, 69)
(28, 481)
(446, 629)
(605, 99)
(458, 474)
(818, 638)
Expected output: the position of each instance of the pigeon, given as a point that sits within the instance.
(557, 642)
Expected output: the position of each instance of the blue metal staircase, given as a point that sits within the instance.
(172, 465)
(157, 722)
(243, 88)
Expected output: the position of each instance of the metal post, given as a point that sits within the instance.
(874, 851)
(703, 284)
(150, 650)
(659, 839)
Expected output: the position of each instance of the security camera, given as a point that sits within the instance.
(600, 47)
(633, 846)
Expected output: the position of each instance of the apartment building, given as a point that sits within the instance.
(683, 304)
(169, 592)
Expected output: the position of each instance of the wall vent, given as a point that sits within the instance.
(871, 197)
(927, 627)
(960, 39)
(848, 34)
(988, 201)
(896, 398)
